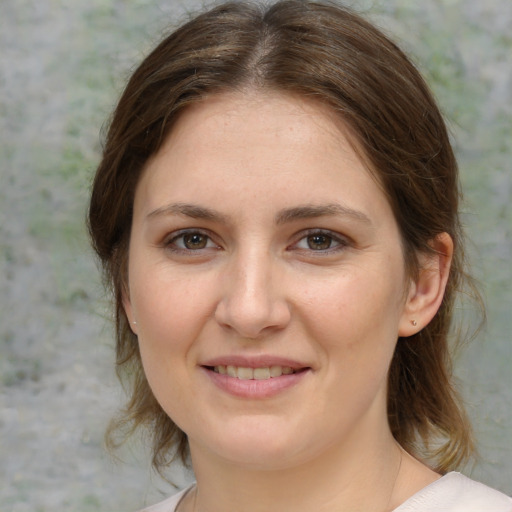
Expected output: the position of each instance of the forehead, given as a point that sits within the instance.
(267, 146)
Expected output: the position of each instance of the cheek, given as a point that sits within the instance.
(354, 321)
(170, 317)
(170, 314)
(356, 301)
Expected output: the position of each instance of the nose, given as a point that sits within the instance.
(253, 301)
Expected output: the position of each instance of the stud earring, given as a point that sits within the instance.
(134, 322)
(413, 322)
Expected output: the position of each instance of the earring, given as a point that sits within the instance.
(413, 322)
(134, 322)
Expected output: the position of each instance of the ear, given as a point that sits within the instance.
(427, 291)
(128, 309)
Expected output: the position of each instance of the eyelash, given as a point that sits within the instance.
(340, 242)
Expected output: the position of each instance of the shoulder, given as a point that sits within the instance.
(457, 493)
(168, 505)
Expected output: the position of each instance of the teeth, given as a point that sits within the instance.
(276, 371)
(261, 373)
(243, 373)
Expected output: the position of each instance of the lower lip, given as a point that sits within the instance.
(253, 388)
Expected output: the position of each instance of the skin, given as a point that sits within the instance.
(286, 248)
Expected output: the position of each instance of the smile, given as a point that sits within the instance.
(244, 373)
(258, 377)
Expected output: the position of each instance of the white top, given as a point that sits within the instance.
(451, 493)
(456, 493)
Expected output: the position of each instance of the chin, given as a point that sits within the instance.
(261, 459)
(258, 446)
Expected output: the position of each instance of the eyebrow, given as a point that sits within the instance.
(308, 211)
(189, 210)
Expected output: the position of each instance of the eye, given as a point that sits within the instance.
(194, 241)
(190, 241)
(321, 241)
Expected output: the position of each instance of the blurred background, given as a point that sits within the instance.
(62, 66)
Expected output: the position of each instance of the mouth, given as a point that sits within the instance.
(261, 373)
(256, 378)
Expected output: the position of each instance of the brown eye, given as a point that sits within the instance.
(190, 242)
(194, 241)
(319, 242)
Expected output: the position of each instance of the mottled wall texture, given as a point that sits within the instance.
(62, 65)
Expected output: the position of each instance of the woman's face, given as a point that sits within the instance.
(267, 280)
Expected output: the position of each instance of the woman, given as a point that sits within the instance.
(277, 213)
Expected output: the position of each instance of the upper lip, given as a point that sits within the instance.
(261, 361)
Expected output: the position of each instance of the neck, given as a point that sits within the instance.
(350, 477)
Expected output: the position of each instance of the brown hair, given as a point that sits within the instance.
(329, 53)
